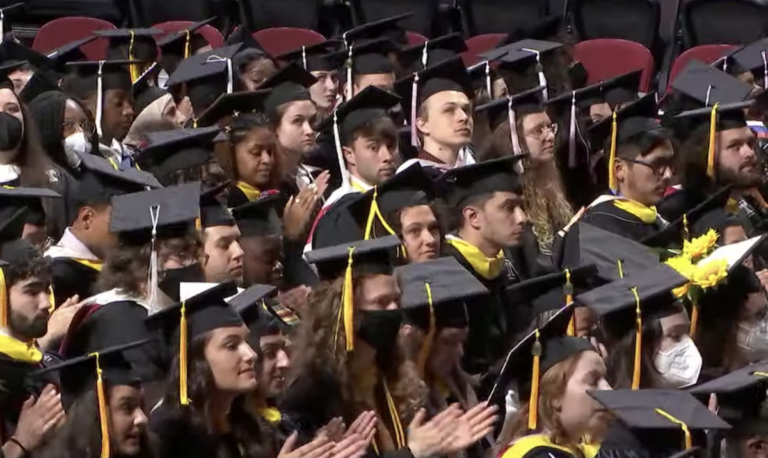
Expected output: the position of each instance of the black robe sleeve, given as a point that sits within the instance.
(59, 213)
(236, 197)
(610, 218)
(70, 277)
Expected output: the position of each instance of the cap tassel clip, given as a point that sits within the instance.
(187, 44)
(568, 290)
(426, 347)
(99, 98)
(514, 137)
(683, 426)
(533, 401)
(183, 396)
(375, 213)
(133, 68)
(346, 311)
(414, 111)
(154, 214)
(638, 342)
(612, 156)
(572, 133)
(339, 152)
(765, 68)
(102, 399)
(3, 301)
(712, 142)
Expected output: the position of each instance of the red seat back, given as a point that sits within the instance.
(211, 35)
(415, 38)
(480, 44)
(609, 57)
(279, 40)
(62, 31)
(704, 53)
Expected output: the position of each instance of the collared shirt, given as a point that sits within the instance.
(69, 246)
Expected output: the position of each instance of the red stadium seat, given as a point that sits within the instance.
(415, 38)
(480, 44)
(279, 40)
(608, 57)
(704, 53)
(61, 31)
(211, 35)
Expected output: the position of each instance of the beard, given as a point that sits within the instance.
(29, 328)
(738, 178)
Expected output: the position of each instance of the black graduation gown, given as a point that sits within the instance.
(236, 197)
(60, 213)
(336, 226)
(609, 217)
(69, 277)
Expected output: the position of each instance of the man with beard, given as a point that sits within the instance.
(640, 170)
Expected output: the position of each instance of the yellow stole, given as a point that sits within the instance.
(250, 192)
(20, 351)
(645, 214)
(270, 414)
(488, 268)
(522, 446)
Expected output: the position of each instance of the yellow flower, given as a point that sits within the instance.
(681, 291)
(682, 264)
(710, 274)
(700, 246)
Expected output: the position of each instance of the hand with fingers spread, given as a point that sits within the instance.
(298, 213)
(39, 418)
(364, 425)
(320, 447)
(472, 426)
(353, 446)
(427, 439)
(321, 182)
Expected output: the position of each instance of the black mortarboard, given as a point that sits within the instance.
(258, 217)
(71, 51)
(250, 303)
(449, 75)
(552, 291)
(178, 149)
(734, 254)
(14, 203)
(637, 117)
(615, 256)
(521, 59)
(434, 293)
(207, 76)
(314, 57)
(523, 103)
(669, 419)
(180, 44)
(387, 28)
(213, 209)
(18, 252)
(408, 188)
(170, 210)
(232, 104)
(613, 91)
(290, 84)
(101, 180)
(368, 256)
(366, 58)
(131, 44)
(258, 308)
(545, 28)
(534, 355)
(705, 86)
(431, 52)
(740, 394)
(746, 58)
(369, 104)
(498, 175)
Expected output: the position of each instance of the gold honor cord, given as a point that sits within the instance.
(426, 347)
(612, 157)
(568, 299)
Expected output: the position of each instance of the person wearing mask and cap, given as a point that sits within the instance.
(366, 149)
(315, 59)
(641, 162)
(101, 385)
(77, 258)
(487, 205)
(440, 114)
(220, 235)
(181, 156)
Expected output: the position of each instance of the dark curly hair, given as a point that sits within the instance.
(25, 261)
(238, 130)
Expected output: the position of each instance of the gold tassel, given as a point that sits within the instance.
(612, 156)
(52, 300)
(198, 224)
(621, 268)
(426, 347)
(638, 342)
(399, 433)
(683, 426)
(533, 401)
(347, 310)
(686, 234)
(3, 300)
(183, 398)
(100, 394)
(571, 331)
(694, 318)
(712, 142)
(375, 213)
(133, 68)
(187, 45)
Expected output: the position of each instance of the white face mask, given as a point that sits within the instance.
(74, 146)
(680, 365)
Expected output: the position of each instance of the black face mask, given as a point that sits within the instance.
(379, 329)
(11, 132)
(173, 278)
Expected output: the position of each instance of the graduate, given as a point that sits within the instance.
(430, 53)
(220, 236)
(77, 258)
(181, 156)
(317, 59)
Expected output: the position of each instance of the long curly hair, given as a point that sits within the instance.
(245, 427)
(237, 131)
(318, 348)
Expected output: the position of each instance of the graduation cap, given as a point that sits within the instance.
(259, 217)
(625, 303)
(177, 149)
(193, 318)
(408, 188)
(3, 11)
(131, 44)
(179, 45)
(659, 411)
(14, 205)
(517, 58)
(213, 210)
(365, 58)
(415, 89)
(232, 104)
(71, 52)
(143, 213)
(740, 394)
(101, 180)
(545, 28)
(290, 84)
(316, 57)
(387, 28)
(257, 307)
(498, 175)
(376, 256)
(734, 254)
(531, 358)
(81, 375)
(431, 52)
(433, 297)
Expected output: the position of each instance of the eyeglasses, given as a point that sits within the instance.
(657, 167)
(541, 131)
(87, 127)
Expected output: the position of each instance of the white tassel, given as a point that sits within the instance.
(516, 149)
(99, 98)
(765, 69)
(339, 152)
(414, 111)
(540, 70)
(304, 56)
(2, 26)
(425, 55)
(228, 61)
(709, 91)
(154, 214)
(349, 73)
(572, 133)
(488, 83)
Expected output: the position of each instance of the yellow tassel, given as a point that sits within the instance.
(375, 213)
(638, 342)
(102, 408)
(533, 401)
(183, 398)
(612, 156)
(683, 426)
(621, 268)
(712, 142)
(399, 434)
(51, 300)
(694, 318)
(686, 234)
(426, 347)
(187, 45)
(133, 68)
(347, 304)
(3, 301)
(571, 331)
(198, 224)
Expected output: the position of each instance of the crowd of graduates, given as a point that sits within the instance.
(365, 248)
